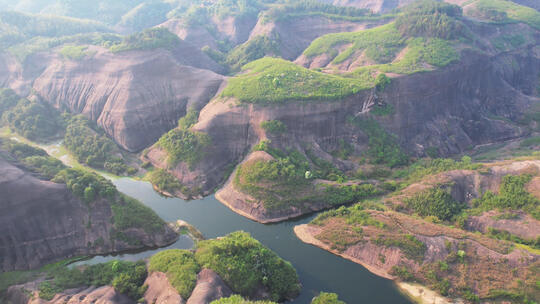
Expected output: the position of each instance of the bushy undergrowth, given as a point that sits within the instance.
(355, 215)
(236, 299)
(429, 166)
(245, 265)
(90, 146)
(429, 18)
(181, 269)
(503, 11)
(165, 181)
(411, 247)
(148, 39)
(327, 298)
(274, 81)
(434, 202)
(126, 278)
(31, 119)
(274, 127)
(184, 145)
(512, 195)
(382, 146)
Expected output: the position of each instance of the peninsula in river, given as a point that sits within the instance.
(402, 136)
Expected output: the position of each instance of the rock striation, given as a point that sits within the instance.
(43, 222)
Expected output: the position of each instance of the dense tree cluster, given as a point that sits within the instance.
(90, 146)
(31, 119)
(435, 202)
(245, 265)
(428, 18)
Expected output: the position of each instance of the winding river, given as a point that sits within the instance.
(319, 270)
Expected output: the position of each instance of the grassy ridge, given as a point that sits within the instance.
(273, 81)
(506, 11)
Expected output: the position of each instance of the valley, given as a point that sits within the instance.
(385, 151)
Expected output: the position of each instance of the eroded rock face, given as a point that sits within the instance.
(43, 222)
(28, 294)
(451, 109)
(134, 96)
(209, 287)
(160, 290)
(295, 34)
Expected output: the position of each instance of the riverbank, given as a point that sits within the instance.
(416, 292)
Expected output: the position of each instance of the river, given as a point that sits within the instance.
(319, 270)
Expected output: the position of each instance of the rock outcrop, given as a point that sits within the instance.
(453, 109)
(160, 290)
(295, 34)
(28, 294)
(43, 222)
(209, 287)
(135, 96)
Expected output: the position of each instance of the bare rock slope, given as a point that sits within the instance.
(44, 222)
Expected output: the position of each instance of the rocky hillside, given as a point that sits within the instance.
(356, 88)
(381, 96)
(215, 270)
(471, 234)
(75, 214)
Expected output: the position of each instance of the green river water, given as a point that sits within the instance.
(319, 270)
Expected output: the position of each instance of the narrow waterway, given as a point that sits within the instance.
(319, 270)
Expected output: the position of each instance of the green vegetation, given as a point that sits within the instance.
(16, 27)
(245, 265)
(125, 277)
(293, 9)
(428, 166)
(402, 272)
(427, 18)
(420, 35)
(507, 236)
(86, 185)
(355, 215)
(274, 127)
(31, 119)
(327, 298)
(502, 11)
(434, 202)
(130, 213)
(165, 181)
(194, 14)
(254, 49)
(530, 142)
(411, 247)
(382, 146)
(34, 159)
(74, 52)
(512, 195)
(274, 81)
(381, 44)
(236, 299)
(181, 269)
(41, 44)
(148, 39)
(286, 181)
(509, 42)
(184, 145)
(92, 147)
(127, 212)
(146, 15)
